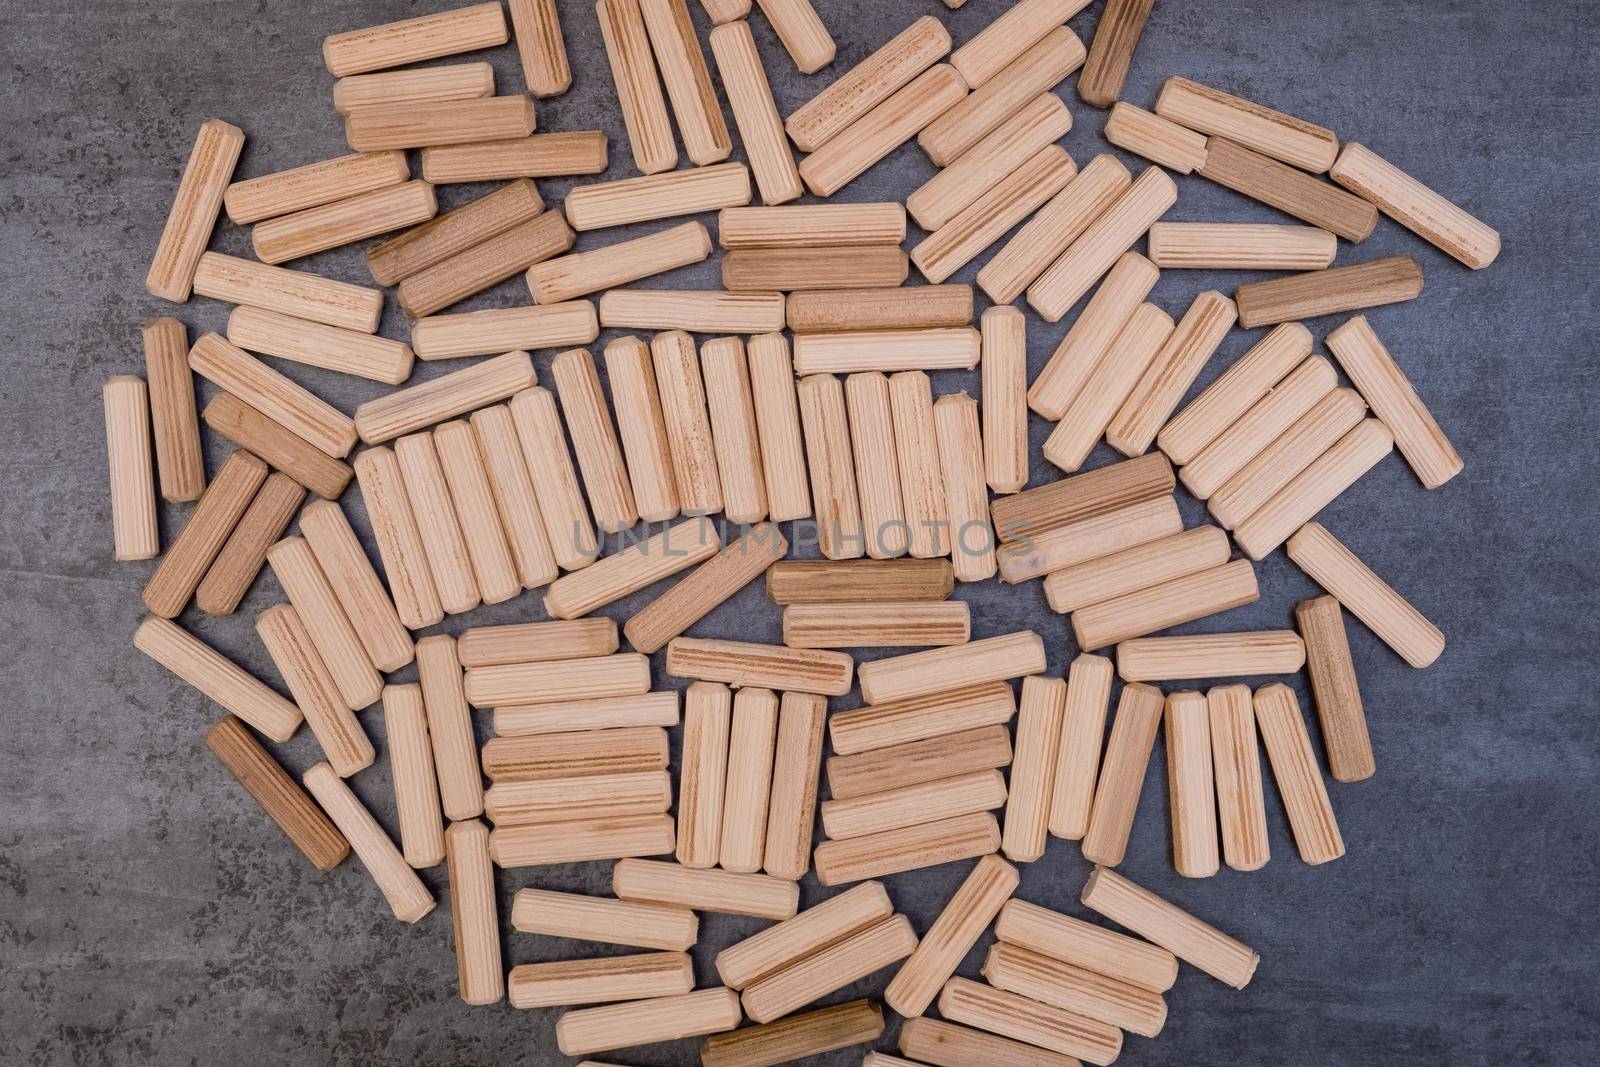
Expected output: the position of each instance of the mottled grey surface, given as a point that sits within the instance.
(149, 913)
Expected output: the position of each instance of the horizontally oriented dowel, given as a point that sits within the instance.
(948, 1045)
(914, 762)
(558, 680)
(909, 849)
(254, 432)
(1085, 946)
(396, 44)
(1415, 206)
(1241, 812)
(824, 582)
(316, 184)
(135, 533)
(1089, 539)
(434, 401)
(516, 503)
(343, 222)
(1335, 415)
(1040, 714)
(726, 376)
(642, 427)
(840, 534)
(1314, 488)
(603, 919)
(857, 956)
(958, 927)
(657, 196)
(907, 624)
(568, 527)
(688, 423)
(923, 673)
(1188, 938)
(584, 796)
(1226, 655)
(1035, 126)
(416, 789)
(1155, 138)
(217, 677)
(881, 130)
(279, 795)
(754, 112)
(995, 211)
(418, 86)
(1191, 786)
(454, 232)
(480, 333)
(273, 394)
(180, 464)
(500, 257)
(921, 475)
(706, 311)
(739, 563)
(633, 71)
(1167, 379)
(752, 738)
(1023, 1019)
(1116, 796)
(292, 292)
(643, 1022)
(604, 980)
(703, 772)
(688, 83)
(812, 226)
(455, 749)
(340, 649)
(389, 126)
(486, 646)
(1289, 190)
(763, 269)
(632, 568)
(779, 947)
(356, 585)
(938, 348)
(474, 916)
(1098, 248)
(1368, 597)
(938, 714)
(194, 211)
(1334, 685)
(481, 532)
(260, 527)
(540, 46)
(1115, 38)
(1055, 387)
(742, 663)
(190, 555)
(1272, 133)
(792, 807)
(868, 83)
(407, 896)
(1053, 228)
(972, 540)
(575, 754)
(1083, 726)
(1108, 387)
(1011, 33)
(316, 345)
(594, 440)
(1075, 989)
(1039, 69)
(1004, 334)
(799, 1038)
(1267, 420)
(1394, 400)
(1082, 496)
(1294, 765)
(581, 840)
(1137, 567)
(400, 542)
(913, 805)
(1325, 292)
(877, 466)
(1231, 395)
(777, 410)
(898, 308)
(1180, 600)
(803, 35)
(539, 155)
(725, 892)
(578, 274)
(1240, 246)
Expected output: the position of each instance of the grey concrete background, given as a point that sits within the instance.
(150, 914)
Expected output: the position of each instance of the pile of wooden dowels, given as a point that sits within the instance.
(804, 415)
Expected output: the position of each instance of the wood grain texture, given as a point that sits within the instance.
(191, 553)
(1086, 946)
(400, 542)
(1368, 597)
(657, 196)
(419, 86)
(645, 975)
(783, 462)
(581, 840)
(1294, 766)
(594, 440)
(1153, 137)
(279, 795)
(1268, 419)
(1108, 386)
(1261, 129)
(180, 464)
(1335, 415)
(539, 155)
(940, 714)
(408, 898)
(1037, 1023)
(316, 345)
(540, 46)
(830, 970)
(1236, 763)
(517, 506)
(1240, 246)
(1039, 69)
(1193, 941)
(860, 225)
(1179, 600)
(1129, 281)
(1075, 989)
(794, 1039)
(688, 422)
(1168, 378)
(835, 502)
(735, 439)
(581, 273)
(699, 593)
(909, 849)
(474, 915)
(965, 917)
(1053, 228)
(633, 72)
(1116, 795)
(868, 84)
(849, 352)
(502, 256)
(792, 806)
(1010, 34)
(315, 184)
(1137, 567)
(927, 760)
(913, 805)
(1089, 539)
(454, 232)
(702, 311)
(558, 681)
(356, 585)
(135, 531)
(1037, 124)
(1040, 714)
(344, 743)
(194, 210)
(343, 222)
(725, 892)
(786, 943)
(1289, 190)
(688, 82)
(1335, 688)
(1004, 364)
(642, 426)
(1228, 397)
(1099, 247)
(703, 772)
(1225, 655)
(575, 754)
(1327, 292)
(292, 292)
(1083, 726)
(639, 564)
(943, 1044)
(455, 749)
(938, 670)
(234, 570)
(307, 586)
(273, 394)
(908, 624)
(886, 126)
(1191, 786)
(922, 490)
(742, 663)
(705, 1011)
(418, 406)
(786, 269)
(583, 796)
(883, 514)
(993, 213)
(381, 127)
(858, 581)
(752, 738)
(1116, 36)
(603, 919)
(744, 81)
(802, 32)
(1082, 496)
(416, 786)
(1314, 488)
(395, 44)
(1415, 206)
